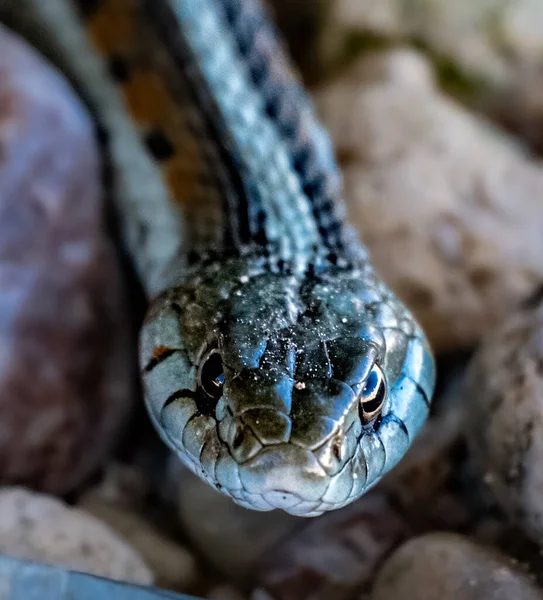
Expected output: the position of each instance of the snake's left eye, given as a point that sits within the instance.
(211, 375)
(373, 395)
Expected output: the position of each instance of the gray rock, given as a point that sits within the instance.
(504, 399)
(450, 567)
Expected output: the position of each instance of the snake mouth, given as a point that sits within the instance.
(284, 475)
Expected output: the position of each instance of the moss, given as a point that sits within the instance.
(357, 43)
(452, 78)
(467, 87)
(495, 31)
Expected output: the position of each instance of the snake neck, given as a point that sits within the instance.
(213, 144)
(213, 97)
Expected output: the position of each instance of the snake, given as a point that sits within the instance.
(25, 579)
(275, 362)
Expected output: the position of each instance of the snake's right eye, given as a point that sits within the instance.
(373, 395)
(211, 375)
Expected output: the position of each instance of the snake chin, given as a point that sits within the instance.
(284, 389)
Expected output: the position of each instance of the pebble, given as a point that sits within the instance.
(173, 566)
(225, 592)
(335, 555)
(447, 204)
(66, 361)
(42, 528)
(503, 396)
(488, 53)
(229, 536)
(482, 49)
(450, 567)
(471, 35)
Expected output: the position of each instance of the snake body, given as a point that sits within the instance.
(23, 580)
(275, 362)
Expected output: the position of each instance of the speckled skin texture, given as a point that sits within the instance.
(296, 349)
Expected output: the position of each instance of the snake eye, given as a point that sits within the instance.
(211, 375)
(373, 395)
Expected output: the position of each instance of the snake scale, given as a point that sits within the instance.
(274, 360)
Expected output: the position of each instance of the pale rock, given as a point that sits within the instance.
(449, 206)
(42, 528)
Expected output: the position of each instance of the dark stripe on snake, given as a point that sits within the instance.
(244, 211)
(261, 47)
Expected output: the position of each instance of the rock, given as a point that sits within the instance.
(486, 53)
(335, 555)
(66, 362)
(225, 592)
(520, 110)
(448, 205)
(504, 399)
(173, 566)
(479, 47)
(450, 567)
(121, 485)
(429, 488)
(39, 527)
(472, 35)
(230, 537)
(400, 67)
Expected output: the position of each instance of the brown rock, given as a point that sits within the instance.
(65, 361)
(504, 399)
(448, 206)
(450, 567)
(39, 527)
(225, 592)
(335, 555)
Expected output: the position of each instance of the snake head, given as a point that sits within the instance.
(286, 389)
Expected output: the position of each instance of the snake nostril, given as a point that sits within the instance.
(238, 440)
(336, 448)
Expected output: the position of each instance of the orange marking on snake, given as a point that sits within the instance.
(118, 27)
(158, 351)
(111, 28)
(148, 99)
(182, 176)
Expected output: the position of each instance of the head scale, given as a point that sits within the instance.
(286, 389)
